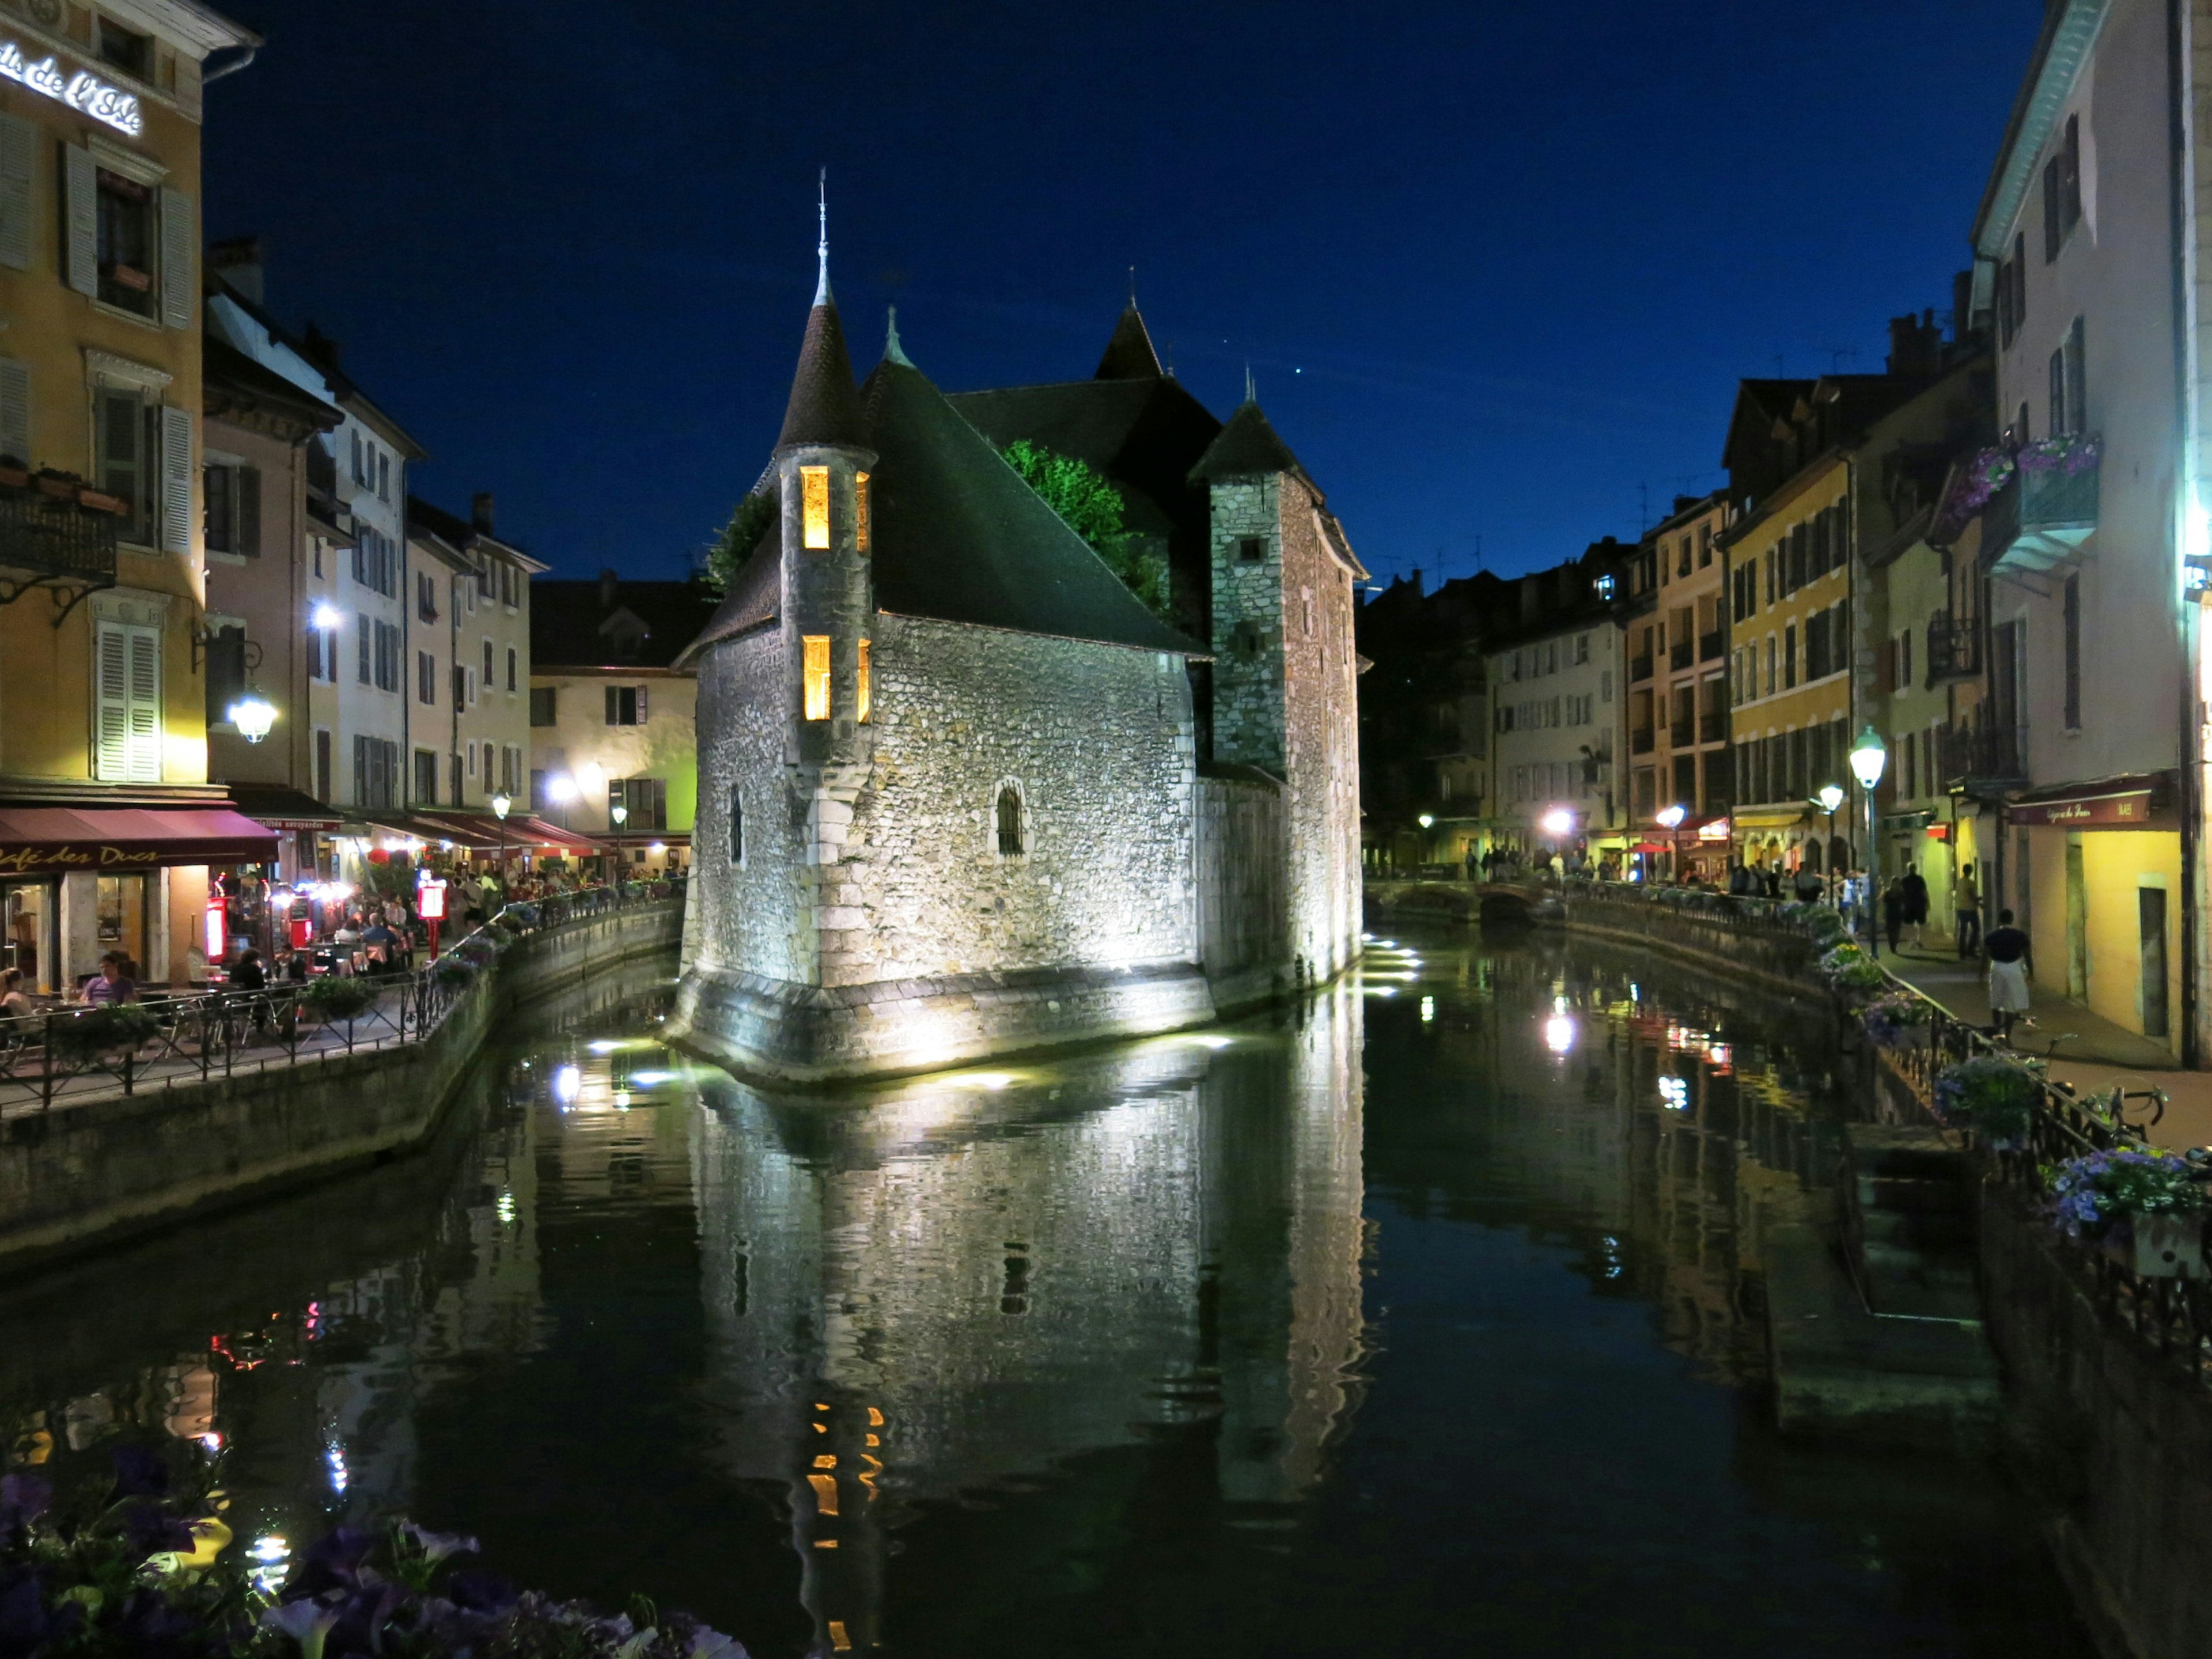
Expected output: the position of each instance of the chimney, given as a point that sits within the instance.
(607, 580)
(1916, 345)
(239, 260)
(480, 512)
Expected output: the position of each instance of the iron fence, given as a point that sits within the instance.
(76, 1054)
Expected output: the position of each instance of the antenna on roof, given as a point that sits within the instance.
(1251, 396)
(893, 351)
(1133, 287)
(822, 249)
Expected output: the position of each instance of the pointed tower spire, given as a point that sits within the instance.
(1129, 353)
(893, 351)
(822, 248)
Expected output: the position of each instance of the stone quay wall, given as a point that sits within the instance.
(80, 1176)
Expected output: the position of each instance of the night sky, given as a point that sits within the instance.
(1496, 267)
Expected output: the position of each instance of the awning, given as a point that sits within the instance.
(1771, 817)
(116, 840)
(280, 806)
(2121, 803)
(536, 833)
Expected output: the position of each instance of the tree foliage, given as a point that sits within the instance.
(733, 544)
(1092, 506)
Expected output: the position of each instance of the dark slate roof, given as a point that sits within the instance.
(1248, 448)
(1142, 434)
(755, 593)
(232, 380)
(613, 623)
(959, 537)
(1129, 355)
(455, 531)
(824, 409)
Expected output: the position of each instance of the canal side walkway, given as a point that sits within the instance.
(2083, 1049)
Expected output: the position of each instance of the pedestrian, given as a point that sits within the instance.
(379, 942)
(2011, 962)
(1966, 901)
(1807, 885)
(110, 985)
(14, 1005)
(1892, 911)
(1916, 908)
(246, 974)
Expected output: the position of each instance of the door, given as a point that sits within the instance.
(120, 913)
(2150, 920)
(2077, 923)
(27, 913)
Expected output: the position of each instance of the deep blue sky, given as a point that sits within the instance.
(1496, 266)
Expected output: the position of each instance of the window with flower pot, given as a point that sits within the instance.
(128, 276)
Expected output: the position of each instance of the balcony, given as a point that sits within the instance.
(55, 533)
(1640, 741)
(1678, 655)
(1639, 670)
(2039, 518)
(1711, 646)
(1983, 757)
(1954, 649)
(1712, 728)
(1684, 734)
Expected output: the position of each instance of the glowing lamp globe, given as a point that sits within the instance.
(1559, 821)
(562, 788)
(1868, 756)
(1424, 821)
(1829, 798)
(253, 715)
(1670, 818)
(500, 804)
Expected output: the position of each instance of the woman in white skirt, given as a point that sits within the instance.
(2007, 947)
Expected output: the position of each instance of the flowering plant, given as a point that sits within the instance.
(1993, 1097)
(1851, 973)
(2090, 1194)
(1892, 1019)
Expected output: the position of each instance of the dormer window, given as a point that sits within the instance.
(860, 540)
(814, 507)
(126, 49)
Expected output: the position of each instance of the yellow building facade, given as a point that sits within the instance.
(107, 827)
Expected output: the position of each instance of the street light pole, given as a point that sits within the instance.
(620, 814)
(499, 805)
(1868, 755)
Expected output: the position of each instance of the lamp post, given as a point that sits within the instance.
(1831, 796)
(500, 803)
(254, 714)
(1669, 819)
(620, 814)
(1868, 756)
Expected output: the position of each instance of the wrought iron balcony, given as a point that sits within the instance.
(1710, 646)
(1640, 741)
(2040, 516)
(51, 537)
(1712, 728)
(1954, 649)
(1639, 669)
(1678, 655)
(1977, 758)
(1684, 734)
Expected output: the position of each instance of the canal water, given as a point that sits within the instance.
(1427, 1320)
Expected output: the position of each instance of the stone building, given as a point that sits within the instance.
(960, 790)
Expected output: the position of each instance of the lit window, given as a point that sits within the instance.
(1010, 822)
(864, 680)
(814, 505)
(817, 676)
(861, 517)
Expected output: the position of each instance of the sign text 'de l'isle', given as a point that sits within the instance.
(80, 91)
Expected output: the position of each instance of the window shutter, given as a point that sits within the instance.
(248, 525)
(614, 705)
(145, 704)
(641, 705)
(19, 149)
(81, 218)
(15, 409)
(176, 479)
(112, 705)
(178, 238)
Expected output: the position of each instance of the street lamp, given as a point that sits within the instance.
(325, 618)
(500, 804)
(620, 814)
(1868, 756)
(1669, 819)
(253, 715)
(1829, 798)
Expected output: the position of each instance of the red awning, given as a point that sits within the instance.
(114, 839)
(535, 832)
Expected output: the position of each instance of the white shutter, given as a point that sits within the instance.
(176, 479)
(145, 706)
(15, 409)
(112, 704)
(641, 705)
(180, 237)
(19, 152)
(81, 218)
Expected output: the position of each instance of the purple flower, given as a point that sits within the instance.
(333, 1562)
(152, 1529)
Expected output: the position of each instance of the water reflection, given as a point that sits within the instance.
(1427, 1318)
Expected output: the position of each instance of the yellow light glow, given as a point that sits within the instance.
(826, 1493)
(864, 680)
(860, 526)
(814, 505)
(817, 676)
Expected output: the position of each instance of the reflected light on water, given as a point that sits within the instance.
(567, 1081)
(1560, 1033)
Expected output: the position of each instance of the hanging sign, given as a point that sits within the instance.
(85, 93)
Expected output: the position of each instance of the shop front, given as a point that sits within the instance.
(79, 882)
(2101, 865)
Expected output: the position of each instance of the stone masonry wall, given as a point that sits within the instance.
(749, 916)
(1247, 625)
(1242, 914)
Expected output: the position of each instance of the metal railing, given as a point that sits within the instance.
(1710, 646)
(53, 537)
(1955, 649)
(1639, 669)
(76, 1054)
(1679, 654)
(1640, 741)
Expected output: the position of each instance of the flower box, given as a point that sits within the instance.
(2162, 1247)
(100, 503)
(61, 490)
(14, 478)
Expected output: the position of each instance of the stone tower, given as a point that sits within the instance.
(1283, 671)
(827, 611)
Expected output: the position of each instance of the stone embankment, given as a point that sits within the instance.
(1928, 1299)
(85, 1173)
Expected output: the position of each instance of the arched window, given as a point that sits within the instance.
(1811, 858)
(737, 827)
(1010, 822)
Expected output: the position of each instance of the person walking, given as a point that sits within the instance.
(1807, 885)
(2011, 962)
(1892, 911)
(1966, 901)
(1915, 887)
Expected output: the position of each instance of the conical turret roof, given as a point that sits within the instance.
(825, 406)
(1247, 447)
(1129, 353)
